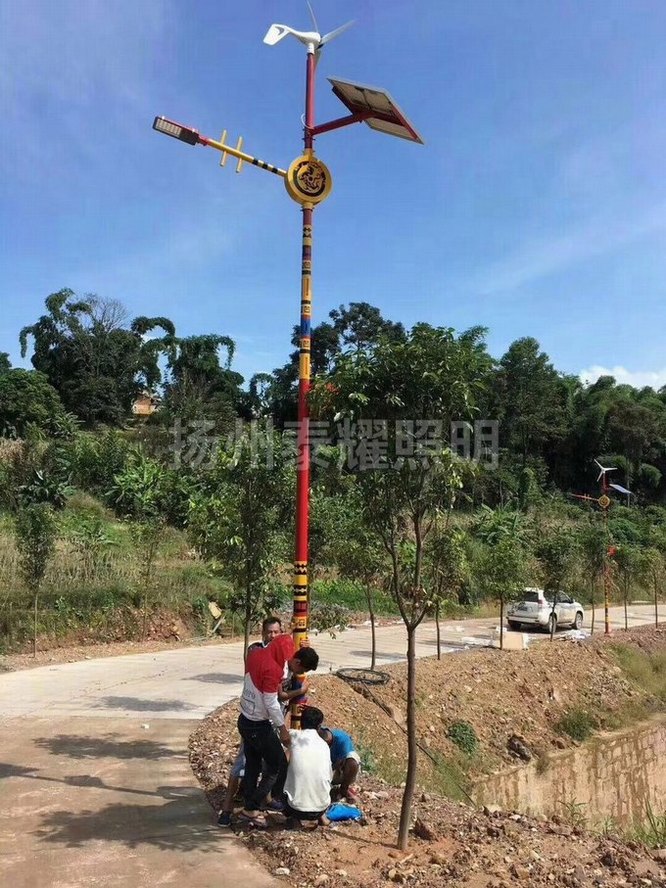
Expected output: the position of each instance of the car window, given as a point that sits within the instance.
(565, 599)
(530, 596)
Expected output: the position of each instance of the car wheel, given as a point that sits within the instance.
(513, 625)
(552, 624)
(578, 622)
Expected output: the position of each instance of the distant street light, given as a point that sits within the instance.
(308, 182)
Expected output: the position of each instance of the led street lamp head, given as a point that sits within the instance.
(176, 130)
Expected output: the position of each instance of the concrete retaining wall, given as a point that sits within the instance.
(613, 775)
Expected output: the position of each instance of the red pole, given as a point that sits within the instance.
(301, 569)
(604, 492)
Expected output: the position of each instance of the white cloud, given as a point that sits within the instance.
(595, 237)
(638, 378)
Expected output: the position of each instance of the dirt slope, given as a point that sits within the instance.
(500, 695)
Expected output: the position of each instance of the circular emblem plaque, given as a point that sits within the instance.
(604, 501)
(308, 180)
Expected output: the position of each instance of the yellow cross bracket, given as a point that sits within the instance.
(241, 155)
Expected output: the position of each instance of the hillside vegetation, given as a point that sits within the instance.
(110, 522)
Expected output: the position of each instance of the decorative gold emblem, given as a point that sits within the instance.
(604, 501)
(308, 181)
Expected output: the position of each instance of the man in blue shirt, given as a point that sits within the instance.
(345, 760)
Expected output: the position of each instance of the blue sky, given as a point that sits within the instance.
(536, 207)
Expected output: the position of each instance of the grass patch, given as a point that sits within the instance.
(647, 672)
(577, 724)
(368, 760)
(652, 831)
(573, 813)
(449, 778)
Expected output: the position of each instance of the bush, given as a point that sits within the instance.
(351, 595)
(464, 736)
(577, 723)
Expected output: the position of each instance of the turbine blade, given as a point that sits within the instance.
(312, 16)
(331, 34)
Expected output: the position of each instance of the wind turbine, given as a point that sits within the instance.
(602, 473)
(313, 40)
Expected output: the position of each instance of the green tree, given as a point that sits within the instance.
(27, 399)
(201, 384)
(97, 365)
(360, 326)
(138, 492)
(358, 553)
(557, 552)
(449, 566)
(237, 520)
(352, 329)
(593, 542)
(502, 567)
(35, 531)
(430, 373)
(5, 363)
(631, 568)
(654, 568)
(532, 398)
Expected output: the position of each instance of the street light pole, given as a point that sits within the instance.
(301, 587)
(308, 182)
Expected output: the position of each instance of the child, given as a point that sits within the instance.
(308, 784)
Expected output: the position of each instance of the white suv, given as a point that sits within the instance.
(534, 609)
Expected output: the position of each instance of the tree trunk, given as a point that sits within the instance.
(34, 623)
(592, 588)
(553, 614)
(656, 602)
(371, 612)
(439, 640)
(501, 624)
(626, 596)
(410, 780)
(246, 639)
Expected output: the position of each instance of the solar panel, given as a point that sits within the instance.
(385, 116)
(621, 489)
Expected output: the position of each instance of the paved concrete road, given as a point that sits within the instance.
(87, 802)
(190, 682)
(96, 786)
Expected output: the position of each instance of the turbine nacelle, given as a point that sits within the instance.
(278, 32)
(312, 39)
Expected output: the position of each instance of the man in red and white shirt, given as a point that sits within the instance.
(261, 714)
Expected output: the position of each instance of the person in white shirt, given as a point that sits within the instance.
(308, 784)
